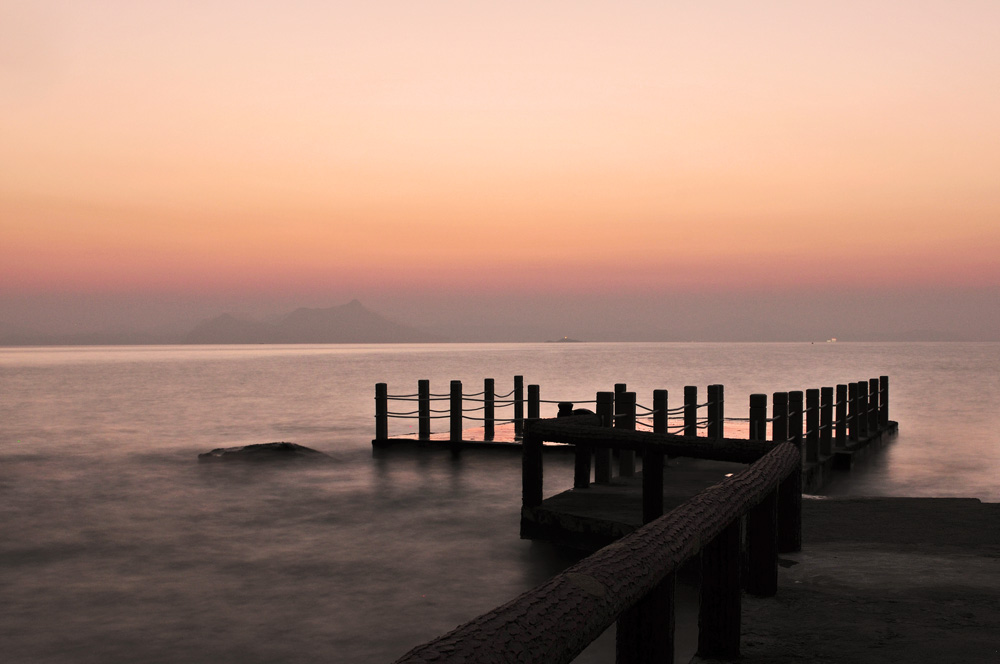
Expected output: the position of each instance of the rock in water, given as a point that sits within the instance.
(265, 452)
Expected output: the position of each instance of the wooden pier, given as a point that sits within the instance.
(731, 504)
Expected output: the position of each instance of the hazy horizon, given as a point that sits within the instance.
(514, 172)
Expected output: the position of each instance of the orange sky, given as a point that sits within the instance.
(567, 146)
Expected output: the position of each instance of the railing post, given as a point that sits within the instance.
(812, 425)
(758, 417)
(790, 489)
(719, 612)
(489, 410)
(854, 404)
(625, 419)
(518, 405)
(455, 431)
(659, 412)
(883, 401)
(602, 455)
(714, 405)
(826, 422)
(381, 411)
(645, 632)
(863, 409)
(795, 408)
(423, 409)
(710, 412)
(721, 411)
(790, 512)
(762, 547)
(581, 453)
(779, 418)
(841, 415)
(534, 402)
(652, 484)
(531, 468)
(691, 410)
(873, 402)
(652, 463)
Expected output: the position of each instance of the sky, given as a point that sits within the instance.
(505, 170)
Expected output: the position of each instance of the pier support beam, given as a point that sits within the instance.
(720, 609)
(424, 409)
(645, 632)
(381, 411)
(602, 455)
(625, 419)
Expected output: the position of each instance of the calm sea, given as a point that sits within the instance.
(119, 546)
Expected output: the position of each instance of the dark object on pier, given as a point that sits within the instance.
(265, 452)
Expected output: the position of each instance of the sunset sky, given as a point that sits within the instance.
(502, 163)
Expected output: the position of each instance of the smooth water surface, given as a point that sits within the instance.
(119, 546)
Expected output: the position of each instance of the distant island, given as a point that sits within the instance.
(348, 323)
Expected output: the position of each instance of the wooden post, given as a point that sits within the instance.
(625, 419)
(423, 409)
(381, 411)
(758, 417)
(581, 454)
(826, 422)
(714, 408)
(531, 469)
(812, 425)
(853, 430)
(762, 547)
(863, 409)
(779, 418)
(660, 411)
(645, 632)
(652, 484)
(873, 403)
(795, 418)
(489, 410)
(455, 432)
(602, 455)
(711, 414)
(691, 410)
(790, 512)
(719, 613)
(841, 415)
(883, 402)
(534, 402)
(790, 490)
(518, 405)
(720, 411)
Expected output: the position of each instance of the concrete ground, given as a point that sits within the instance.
(883, 580)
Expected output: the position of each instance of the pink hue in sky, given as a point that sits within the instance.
(297, 148)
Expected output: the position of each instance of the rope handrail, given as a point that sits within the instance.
(417, 399)
(572, 401)
(401, 396)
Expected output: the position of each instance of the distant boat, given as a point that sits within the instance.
(564, 340)
(831, 340)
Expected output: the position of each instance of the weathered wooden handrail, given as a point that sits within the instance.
(632, 580)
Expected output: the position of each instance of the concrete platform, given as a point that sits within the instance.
(883, 580)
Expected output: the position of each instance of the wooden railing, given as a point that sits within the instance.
(631, 582)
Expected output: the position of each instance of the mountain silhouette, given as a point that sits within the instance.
(348, 323)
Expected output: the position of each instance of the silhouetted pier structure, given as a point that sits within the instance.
(732, 511)
(831, 425)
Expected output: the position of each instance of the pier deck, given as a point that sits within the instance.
(592, 517)
(883, 580)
